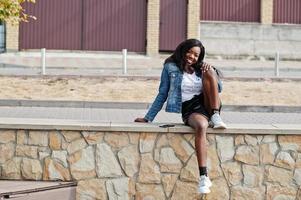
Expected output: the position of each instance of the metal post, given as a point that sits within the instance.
(124, 55)
(43, 61)
(277, 64)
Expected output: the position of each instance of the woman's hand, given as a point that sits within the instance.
(139, 119)
(205, 67)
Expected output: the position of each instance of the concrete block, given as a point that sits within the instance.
(265, 32)
(287, 49)
(289, 33)
(228, 46)
(226, 31)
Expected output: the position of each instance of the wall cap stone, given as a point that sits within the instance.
(89, 125)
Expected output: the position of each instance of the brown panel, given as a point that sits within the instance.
(173, 23)
(230, 10)
(112, 25)
(58, 25)
(287, 11)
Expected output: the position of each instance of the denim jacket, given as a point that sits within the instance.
(170, 90)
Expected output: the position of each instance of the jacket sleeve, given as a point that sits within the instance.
(161, 96)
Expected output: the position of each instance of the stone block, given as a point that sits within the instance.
(239, 140)
(70, 136)
(61, 156)
(190, 173)
(76, 145)
(106, 162)
(149, 191)
(118, 189)
(168, 182)
(31, 169)
(225, 147)
(280, 192)
(27, 151)
(245, 193)
(267, 153)
(289, 142)
(149, 171)
(22, 137)
(147, 142)
(82, 164)
(7, 136)
(281, 176)
(181, 147)
(168, 161)
(12, 169)
(253, 176)
(54, 170)
(7, 152)
(55, 141)
(219, 190)
(116, 140)
(39, 138)
(285, 160)
(93, 137)
(213, 165)
(232, 172)
(91, 189)
(129, 160)
(185, 190)
(247, 154)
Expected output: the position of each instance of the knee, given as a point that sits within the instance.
(201, 127)
(209, 75)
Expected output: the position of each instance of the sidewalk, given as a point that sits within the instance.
(66, 63)
(127, 114)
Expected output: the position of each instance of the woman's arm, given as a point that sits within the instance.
(160, 99)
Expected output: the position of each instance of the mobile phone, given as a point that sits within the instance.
(166, 125)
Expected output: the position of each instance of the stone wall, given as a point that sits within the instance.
(133, 165)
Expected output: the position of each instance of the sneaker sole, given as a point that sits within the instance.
(204, 191)
(220, 126)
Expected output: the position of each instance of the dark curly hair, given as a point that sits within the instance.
(178, 55)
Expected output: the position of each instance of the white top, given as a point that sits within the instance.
(191, 85)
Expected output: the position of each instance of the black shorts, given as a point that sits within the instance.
(194, 105)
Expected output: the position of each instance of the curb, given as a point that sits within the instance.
(137, 105)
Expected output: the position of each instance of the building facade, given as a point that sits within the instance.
(148, 26)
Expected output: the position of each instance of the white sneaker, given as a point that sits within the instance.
(217, 122)
(204, 184)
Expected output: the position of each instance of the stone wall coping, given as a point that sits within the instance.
(89, 125)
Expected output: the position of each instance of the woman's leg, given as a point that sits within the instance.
(211, 99)
(210, 90)
(199, 123)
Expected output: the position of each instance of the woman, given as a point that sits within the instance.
(191, 87)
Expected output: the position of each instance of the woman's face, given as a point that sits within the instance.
(192, 55)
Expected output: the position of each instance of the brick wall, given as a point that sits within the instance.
(193, 19)
(12, 37)
(266, 12)
(153, 21)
